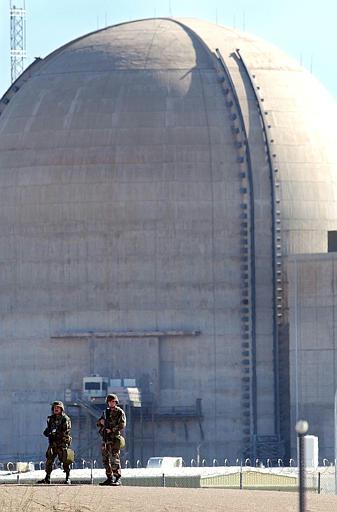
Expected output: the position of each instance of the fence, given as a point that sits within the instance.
(238, 474)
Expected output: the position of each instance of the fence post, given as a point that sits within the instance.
(10, 465)
(319, 483)
(91, 475)
(163, 481)
(241, 485)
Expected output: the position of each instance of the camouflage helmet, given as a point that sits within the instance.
(111, 396)
(57, 403)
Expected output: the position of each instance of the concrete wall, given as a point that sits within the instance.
(121, 210)
(313, 368)
(121, 195)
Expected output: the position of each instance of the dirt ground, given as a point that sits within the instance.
(86, 498)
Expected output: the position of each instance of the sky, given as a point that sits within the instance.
(304, 29)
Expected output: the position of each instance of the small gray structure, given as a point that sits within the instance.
(313, 367)
(153, 175)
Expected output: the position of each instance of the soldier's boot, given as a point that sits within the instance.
(45, 480)
(108, 481)
(117, 480)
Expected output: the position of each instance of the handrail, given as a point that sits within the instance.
(19, 82)
(90, 408)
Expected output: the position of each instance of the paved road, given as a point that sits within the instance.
(86, 498)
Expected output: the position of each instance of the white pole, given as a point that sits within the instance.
(335, 429)
(297, 369)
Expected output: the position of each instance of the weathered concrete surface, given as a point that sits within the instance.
(121, 209)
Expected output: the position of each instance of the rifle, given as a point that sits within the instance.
(114, 432)
(50, 433)
(103, 428)
(106, 416)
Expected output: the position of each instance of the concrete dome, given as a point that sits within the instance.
(152, 179)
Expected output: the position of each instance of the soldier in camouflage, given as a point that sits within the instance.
(110, 424)
(58, 432)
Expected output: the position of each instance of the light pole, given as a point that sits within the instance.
(301, 428)
(335, 428)
(198, 454)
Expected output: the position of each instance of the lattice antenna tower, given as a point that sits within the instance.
(18, 39)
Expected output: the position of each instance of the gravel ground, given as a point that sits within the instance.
(87, 498)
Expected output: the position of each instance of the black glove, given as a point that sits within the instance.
(49, 433)
(46, 432)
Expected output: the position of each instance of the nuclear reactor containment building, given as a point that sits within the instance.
(154, 177)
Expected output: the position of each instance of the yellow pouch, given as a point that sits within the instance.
(121, 441)
(68, 456)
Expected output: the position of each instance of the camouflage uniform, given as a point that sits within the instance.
(114, 420)
(58, 432)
